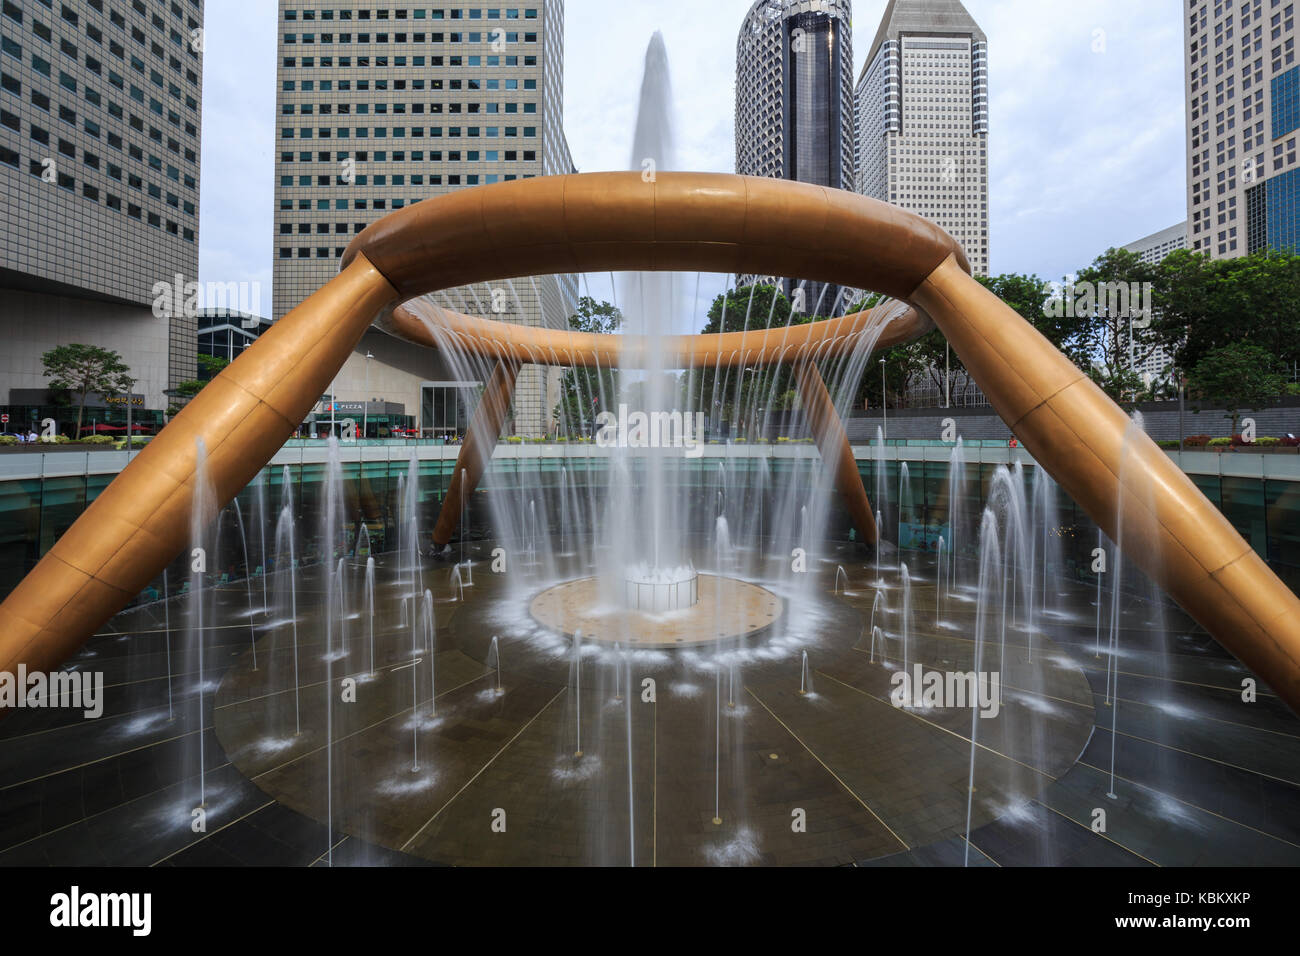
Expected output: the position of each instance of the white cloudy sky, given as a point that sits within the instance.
(1087, 148)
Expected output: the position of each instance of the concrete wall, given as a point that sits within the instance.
(32, 323)
(1161, 422)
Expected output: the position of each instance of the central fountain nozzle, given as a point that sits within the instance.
(660, 589)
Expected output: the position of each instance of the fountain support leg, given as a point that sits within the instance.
(476, 453)
(1185, 544)
(833, 443)
(140, 522)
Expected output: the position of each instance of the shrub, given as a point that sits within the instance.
(1219, 442)
(1291, 442)
(8, 440)
(1240, 439)
(99, 440)
(1268, 442)
(515, 440)
(1168, 443)
(1196, 441)
(56, 440)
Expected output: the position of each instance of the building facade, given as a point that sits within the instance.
(380, 108)
(1152, 250)
(1243, 121)
(100, 118)
(794, 104)
(922, 119)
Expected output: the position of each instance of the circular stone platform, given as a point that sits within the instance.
(727, 608)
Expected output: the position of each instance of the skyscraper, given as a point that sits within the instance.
(794, 99)
(1243, 117)
(100, 112)
(382, 108)
(923, 120)
(1153, 249)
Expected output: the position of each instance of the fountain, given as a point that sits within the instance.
(601, 548)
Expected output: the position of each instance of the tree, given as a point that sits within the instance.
(740, 395)
(1240, 375)
(82, 369)
(1207, 304)
(585, 392)
(1113, 339)
(210, 366)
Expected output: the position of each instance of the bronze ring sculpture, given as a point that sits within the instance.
(680, 221)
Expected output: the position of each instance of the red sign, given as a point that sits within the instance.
(4, 419)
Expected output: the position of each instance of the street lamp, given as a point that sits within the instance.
(365, 399)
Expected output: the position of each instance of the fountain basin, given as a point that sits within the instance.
(725, 608)
(660, 589)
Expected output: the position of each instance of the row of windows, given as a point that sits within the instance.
(419, 13)
(358, 205)
(399, 109)
(400, 179)
(495, 37)
(345, 62)
(415, 156)
(89, 191)
(362, 86)
(400, 132)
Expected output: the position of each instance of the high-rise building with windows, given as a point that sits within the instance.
(100, 113)
(380, 107)
(1153, 249)
(794, 102)
(923, 119)
(1243, 121)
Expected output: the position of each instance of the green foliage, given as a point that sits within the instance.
(82, 369)
(739, 395)
(1268, 442)
(586, 392)
(210, 366)
(1206, 304)
(1238, 375)
(190, 388)
(98, 440)
(8, 440)
(1219, 442)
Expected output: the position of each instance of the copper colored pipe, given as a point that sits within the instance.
(827, 338)
(476, 453)
(141, 521)
(1120, 477)
(833, 442)
(680, 221)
